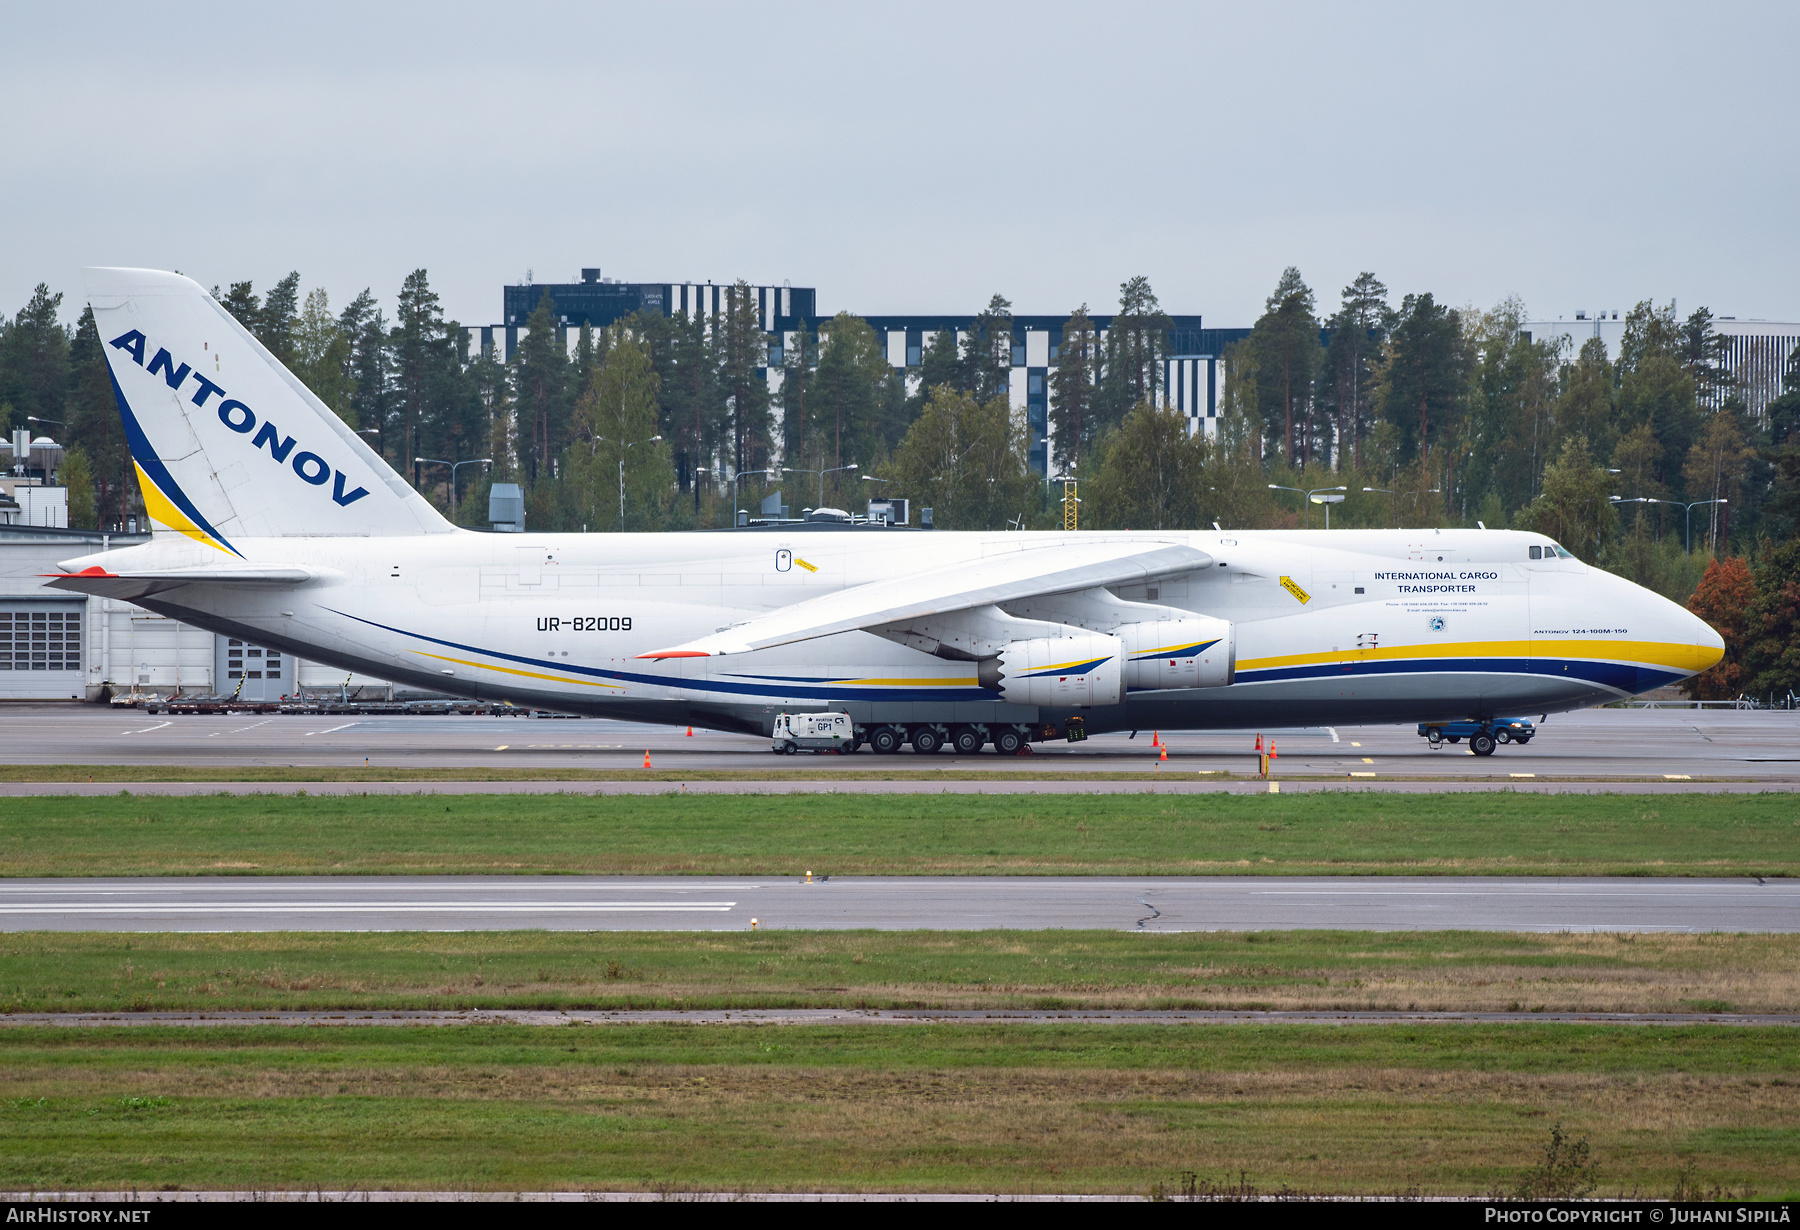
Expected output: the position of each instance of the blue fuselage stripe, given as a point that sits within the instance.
(1623, 676)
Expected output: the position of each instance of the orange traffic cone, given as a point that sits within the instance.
(1165, 752)
(690, 733)
(1156, 738)
(1259, 742)
(646, 758)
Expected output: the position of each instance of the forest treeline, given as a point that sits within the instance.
(1418, 413)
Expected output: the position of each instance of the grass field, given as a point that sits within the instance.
(1460, 1110)
(1694, 835)
(1480, 971)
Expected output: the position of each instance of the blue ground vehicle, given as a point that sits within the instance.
(1483, 737)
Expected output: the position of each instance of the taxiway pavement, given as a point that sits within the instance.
(1664, 748)
(655, 903)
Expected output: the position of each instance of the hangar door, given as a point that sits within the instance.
(265, 674)
(40, 651)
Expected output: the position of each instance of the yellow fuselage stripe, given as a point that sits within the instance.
(507, 670)
(1675, 656)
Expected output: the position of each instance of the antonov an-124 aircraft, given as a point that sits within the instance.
(276, 524)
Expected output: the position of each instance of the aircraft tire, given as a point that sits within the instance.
(1007, 741)
(926, 740)
(1482, 744)
(965, 740)
(884, 740)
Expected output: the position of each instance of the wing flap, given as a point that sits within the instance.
(1051, 569)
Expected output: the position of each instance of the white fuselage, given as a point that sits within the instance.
(1330, 626)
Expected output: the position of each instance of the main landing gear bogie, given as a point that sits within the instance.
(928, 739)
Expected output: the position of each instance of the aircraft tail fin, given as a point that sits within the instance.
(228, 443)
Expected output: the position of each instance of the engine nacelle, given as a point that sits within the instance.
(1061, 671)
(1178, 653)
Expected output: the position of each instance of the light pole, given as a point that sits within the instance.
(622, 452)
(454, 467)
(25, 461)
(821, 474)
(735, 489)
(1688, 518)
(1310, 500)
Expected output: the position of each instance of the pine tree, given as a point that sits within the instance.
(34, 361)
(541, 376)
(798, 361)
(1357, 329)
(1285, 342)
(421, 350)
(743, 353)
(849, 388)
(243, 304)
(1073, 413)
(280, 315)
(987, 351)
(1705, 354)
(1136, 342)
(94, 425)
(366, 328)
(690, 397)
(1427, 380)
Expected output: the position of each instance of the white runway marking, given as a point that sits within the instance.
(252, 726)
(345, 726)
(146, 730)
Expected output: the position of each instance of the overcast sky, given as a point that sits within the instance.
(916, 157)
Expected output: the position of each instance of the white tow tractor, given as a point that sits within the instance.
(813, 732)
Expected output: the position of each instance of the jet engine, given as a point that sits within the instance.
(1178, 653)
(1062, 671)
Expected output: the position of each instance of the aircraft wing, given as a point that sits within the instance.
(1050, 569)
(132, 584)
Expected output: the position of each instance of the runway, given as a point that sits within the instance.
(1661, 748)
(651, 903)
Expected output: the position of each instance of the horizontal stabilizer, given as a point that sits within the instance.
(1056, 568)
(128, 585)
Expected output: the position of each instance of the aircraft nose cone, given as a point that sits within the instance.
(1709, 646)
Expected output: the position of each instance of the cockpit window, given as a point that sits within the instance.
(1561, 554)
(1537, 553)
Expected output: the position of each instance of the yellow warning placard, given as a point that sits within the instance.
(1287, 583)
(805, 565)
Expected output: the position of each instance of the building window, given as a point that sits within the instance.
(775, 353)
(1018, 354)
(253, 675)
(1034, 384)
(234, 674)
(40, 640)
